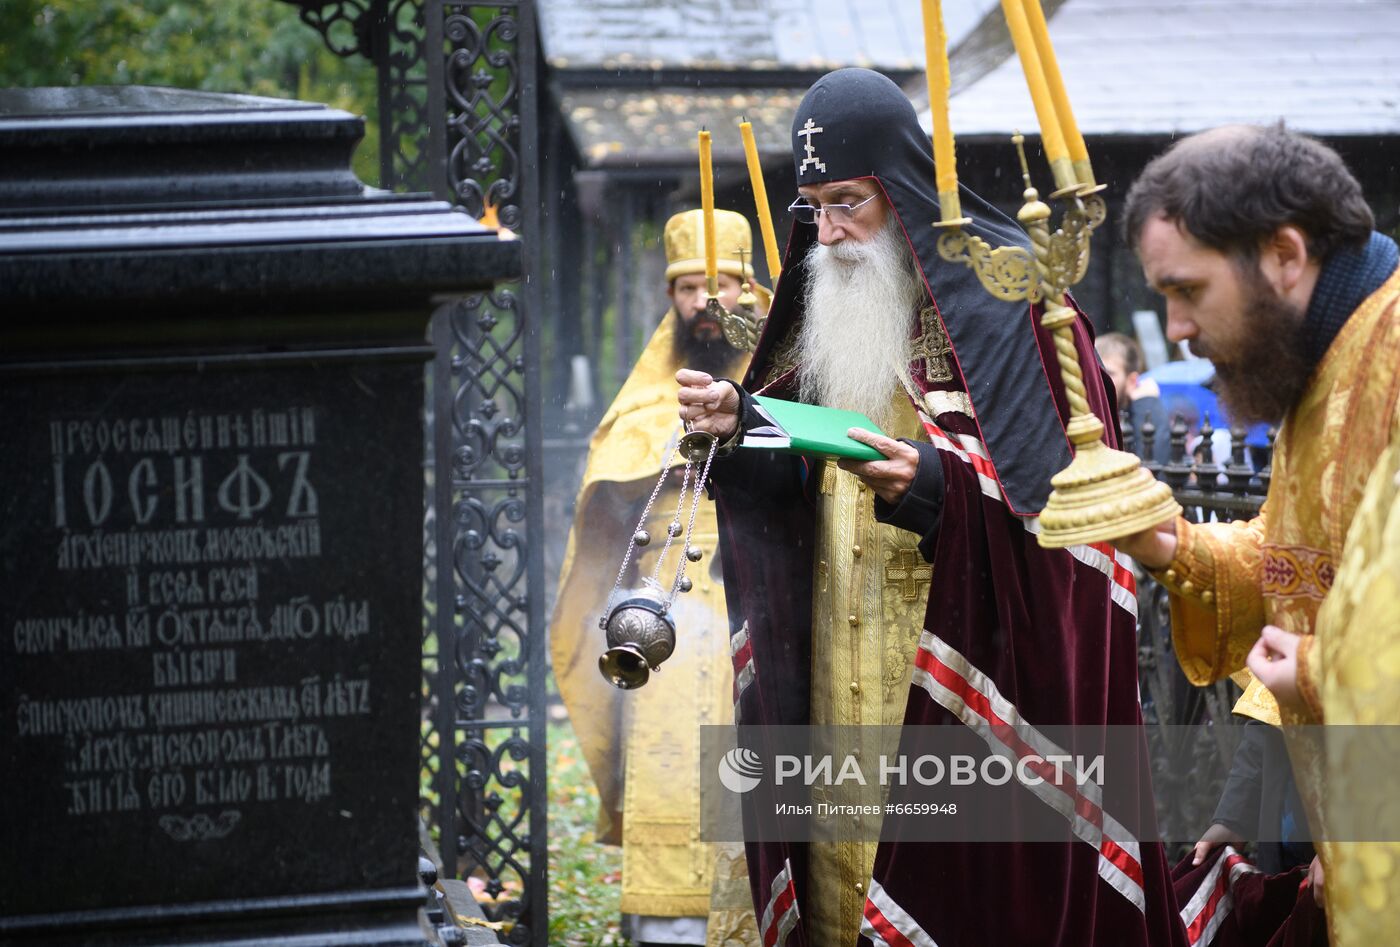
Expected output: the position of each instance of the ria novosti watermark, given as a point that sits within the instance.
(1018, 783)
(741, 770)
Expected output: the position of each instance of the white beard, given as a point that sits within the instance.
(854, 348)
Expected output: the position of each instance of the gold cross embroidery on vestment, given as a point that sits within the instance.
(905, 571)
(933, 346)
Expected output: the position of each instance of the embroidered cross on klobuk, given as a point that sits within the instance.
(807, 131)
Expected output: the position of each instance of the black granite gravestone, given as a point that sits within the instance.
(211, 364)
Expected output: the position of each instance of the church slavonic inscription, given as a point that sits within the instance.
(210, 628)
(192, 544)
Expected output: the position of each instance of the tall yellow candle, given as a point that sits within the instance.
(707, 209)
(1074, 141)
(760, 201)
(945, 169)
(1051, 137)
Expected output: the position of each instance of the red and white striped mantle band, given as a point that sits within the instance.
(886, 922)
(741, 653)
(968, 694)
(1101, 556)
(781, 914)
(1213, 900)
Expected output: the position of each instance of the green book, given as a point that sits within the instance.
(809, 429)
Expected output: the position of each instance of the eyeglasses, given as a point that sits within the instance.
(837, 213)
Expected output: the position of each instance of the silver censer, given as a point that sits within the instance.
(641, 633)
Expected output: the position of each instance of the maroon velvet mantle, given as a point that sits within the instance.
(1227, 902)
(1040, 627)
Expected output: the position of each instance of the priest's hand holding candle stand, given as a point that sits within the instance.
(1104, 493)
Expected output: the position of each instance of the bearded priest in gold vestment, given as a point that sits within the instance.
(1262, 244)
(643, 746)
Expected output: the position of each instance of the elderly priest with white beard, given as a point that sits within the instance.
(911, 591)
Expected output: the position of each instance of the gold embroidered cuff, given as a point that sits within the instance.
(1307, 678)
(1191, 573)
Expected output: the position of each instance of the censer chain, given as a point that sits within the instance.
(690, 525)
(631, 545)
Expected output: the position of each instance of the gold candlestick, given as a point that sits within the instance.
(1104, 493)
(742, 325)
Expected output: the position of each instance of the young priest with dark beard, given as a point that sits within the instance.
(1264, 248)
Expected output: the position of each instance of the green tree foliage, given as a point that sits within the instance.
(254, 47)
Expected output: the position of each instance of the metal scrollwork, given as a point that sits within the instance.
(483, 87)
(403, 98)
(1095, 208)
(346, 26)
(741, 330)
(489, 405)
(430, 740)
(1005, 272)
(489, 712)
(491, 570)
(1069, 245)
(1068, 258)
(491, 718)
(742, 325)
(389, 33)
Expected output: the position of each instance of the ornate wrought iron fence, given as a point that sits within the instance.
(458, 111)
(490, 686)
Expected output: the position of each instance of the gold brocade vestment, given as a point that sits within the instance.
(1228, 580)
(869, 595)
(642, 746)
